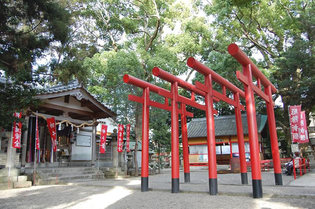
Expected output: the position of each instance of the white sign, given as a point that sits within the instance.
(295, 148)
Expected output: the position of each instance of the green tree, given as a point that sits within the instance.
(161, 135)
(27, 30)
(131, 32)
(282, 32)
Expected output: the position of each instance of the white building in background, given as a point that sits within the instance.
(111, 125)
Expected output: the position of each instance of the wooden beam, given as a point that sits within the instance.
(61, 118)
(67, 109)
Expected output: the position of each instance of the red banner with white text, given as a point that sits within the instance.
(128, 137)
(52, 130)
(120, 138)
(17, 131)
(295, 114)
(303, 129)
(37, 134)
(103, 138)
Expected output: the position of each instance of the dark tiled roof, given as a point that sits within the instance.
(60, 88)
(73, 85)
(224, 126)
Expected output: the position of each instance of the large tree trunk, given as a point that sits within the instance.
(138, 131)
(286, 127)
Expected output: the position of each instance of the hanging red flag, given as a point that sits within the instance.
(103, 138)
(120, 138)
(52, 130)
(295, 114)
(303, 129)
(17, 130)
(128, 137)
(37, 134)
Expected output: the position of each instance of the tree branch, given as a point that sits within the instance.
(189, 74)
(157, 27)
(246, 33)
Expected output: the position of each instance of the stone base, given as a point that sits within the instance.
(22, 184)
(7, 185)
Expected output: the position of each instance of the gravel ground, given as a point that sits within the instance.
(125, 193)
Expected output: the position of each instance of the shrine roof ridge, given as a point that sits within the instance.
(224, 125)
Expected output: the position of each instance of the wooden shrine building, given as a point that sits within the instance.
(226, 139)
(76, 112)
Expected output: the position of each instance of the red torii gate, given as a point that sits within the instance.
(145, 100)
(250, 70)
(210, 75)
(210, 95)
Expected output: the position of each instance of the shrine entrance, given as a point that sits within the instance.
(210, 96)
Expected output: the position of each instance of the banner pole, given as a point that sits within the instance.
(98, 160)
(9, 160)
(35, 155)
(51, 154)
(290, 127)
(35, 158)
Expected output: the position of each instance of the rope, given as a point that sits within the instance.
(66, 121)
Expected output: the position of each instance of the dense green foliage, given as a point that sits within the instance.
(27, 28)
(99, 41)
(282, 32)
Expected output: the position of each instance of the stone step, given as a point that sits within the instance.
(22, 184)
(67, 173)
(13, 172)
(7, 185)
(5, 179)
(64, 170)
(67, 178)
(22, 178)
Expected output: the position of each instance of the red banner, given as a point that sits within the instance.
(128, 137)
(120, 138)
(52, 130)
(16, 132)
(303, 129)
(295, 113)
(103, 138)
(37, 134)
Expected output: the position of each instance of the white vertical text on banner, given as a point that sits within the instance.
(120, 137)
(17, 131)
(295, 114)
(37, 135)
(52, 130)
(303, 129)
(103, 138)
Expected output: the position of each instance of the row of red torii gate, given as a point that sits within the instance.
(262, 87)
